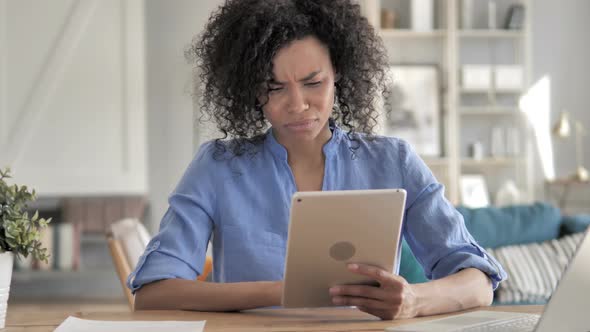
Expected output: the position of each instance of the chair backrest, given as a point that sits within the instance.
(121, 266)
(133, 236)
(127, 240)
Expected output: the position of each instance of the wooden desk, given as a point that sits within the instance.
(329, 319)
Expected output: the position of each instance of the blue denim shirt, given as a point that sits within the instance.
(242, 205)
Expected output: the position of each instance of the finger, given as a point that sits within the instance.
(382, 276)
(362, 291)
(360, 301)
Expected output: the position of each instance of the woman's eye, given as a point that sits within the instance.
(313, 83)
(274, 89)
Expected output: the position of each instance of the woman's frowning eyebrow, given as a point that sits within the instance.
(306, 78)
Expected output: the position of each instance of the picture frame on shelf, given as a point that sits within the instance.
(412, 107)
(474, 191)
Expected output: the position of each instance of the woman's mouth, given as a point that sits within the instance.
(302, 125)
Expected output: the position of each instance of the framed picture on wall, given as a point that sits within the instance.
(412, 107)
(474, 191)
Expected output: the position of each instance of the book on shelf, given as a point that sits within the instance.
(46, 238)
(63, 246)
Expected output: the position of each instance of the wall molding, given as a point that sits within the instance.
(133, 80)
(125, 107)
(49, 77)
(103, 137)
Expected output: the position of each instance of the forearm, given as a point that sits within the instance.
(465, 289)
(183, 294)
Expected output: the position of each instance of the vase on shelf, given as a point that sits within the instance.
(422, 15)
(467, 14)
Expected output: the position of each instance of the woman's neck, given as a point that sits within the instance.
(309, 155)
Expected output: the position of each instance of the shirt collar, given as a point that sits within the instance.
(329, 148)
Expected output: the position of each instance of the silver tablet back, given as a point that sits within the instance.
(331, 229)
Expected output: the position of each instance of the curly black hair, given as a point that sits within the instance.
(233, 58)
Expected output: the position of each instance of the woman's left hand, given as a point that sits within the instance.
(393, 298)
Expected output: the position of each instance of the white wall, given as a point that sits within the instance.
(561, 50)
(170, 27)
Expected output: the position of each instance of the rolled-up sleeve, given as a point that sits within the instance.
(179, 248)
(435, 230)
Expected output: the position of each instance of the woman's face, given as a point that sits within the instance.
(301, 92)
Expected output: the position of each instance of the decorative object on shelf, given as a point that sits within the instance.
(476, 151)
(508, 77)
(562, 129)
(508, 194)
(387, 18)
(467, 14)
(474, 191)
(492, 9)
(19, 234)
(412, 107)
(498, 146)
(476, 76)
(515, 18)
(422, 15)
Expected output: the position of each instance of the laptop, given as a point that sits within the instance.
(568, 308)
(330, 229)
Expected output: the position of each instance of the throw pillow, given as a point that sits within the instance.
(575, 224)
(533, 269)
(495, 227)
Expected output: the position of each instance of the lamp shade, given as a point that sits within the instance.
(562, 128)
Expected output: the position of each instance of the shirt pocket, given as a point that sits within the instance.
(241, 236)
(251, 255)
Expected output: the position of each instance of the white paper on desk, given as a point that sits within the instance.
(76, 324)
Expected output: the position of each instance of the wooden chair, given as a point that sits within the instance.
(127, 239)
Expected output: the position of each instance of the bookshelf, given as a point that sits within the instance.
(85, 268)
(83, 284)
(469, 114)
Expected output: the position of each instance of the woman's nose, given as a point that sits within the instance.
(297, 101)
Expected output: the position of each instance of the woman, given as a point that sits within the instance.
(310, 69)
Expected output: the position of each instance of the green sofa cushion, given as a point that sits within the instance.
(494, 227)
(409, 267)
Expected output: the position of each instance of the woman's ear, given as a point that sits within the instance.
(336, 77)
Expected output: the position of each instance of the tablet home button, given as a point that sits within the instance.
(342, 251)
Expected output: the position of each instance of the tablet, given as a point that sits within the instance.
(330, 229)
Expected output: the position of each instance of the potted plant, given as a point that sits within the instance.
(19, 234)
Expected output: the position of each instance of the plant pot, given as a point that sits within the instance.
(6, 263)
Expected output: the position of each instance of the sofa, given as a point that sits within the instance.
(506, 231)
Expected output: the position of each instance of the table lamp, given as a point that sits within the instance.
(562, 129)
